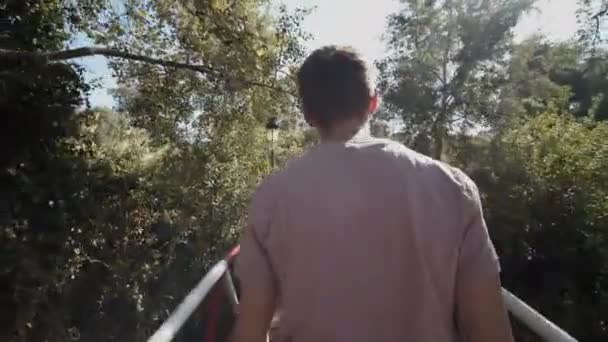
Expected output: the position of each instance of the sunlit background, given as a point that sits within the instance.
(360, 24)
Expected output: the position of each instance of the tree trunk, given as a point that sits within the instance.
(438, 133)
(438, 137)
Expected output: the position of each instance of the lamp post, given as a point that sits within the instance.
(272, 133)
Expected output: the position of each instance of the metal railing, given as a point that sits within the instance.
(166, 332)
(536, 322)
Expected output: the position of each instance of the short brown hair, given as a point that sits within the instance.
(333, 85)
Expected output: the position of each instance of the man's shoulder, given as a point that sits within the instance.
(405, 154)
(435, 171)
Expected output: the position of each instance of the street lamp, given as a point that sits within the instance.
(272, 134)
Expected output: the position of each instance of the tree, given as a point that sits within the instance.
(588, 82)
(559, 77)
(444, 65)
(37, 110)
(592, 15)
(531, 87)
(545, 197)
(37, 100)
(119, 214)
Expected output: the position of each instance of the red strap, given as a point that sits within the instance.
(215, 303)
(233, 253)
(215, 306)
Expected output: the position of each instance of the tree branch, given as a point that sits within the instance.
(600, 13)
(100, 51)
(14, 55)
(271, 87)
(597, 17)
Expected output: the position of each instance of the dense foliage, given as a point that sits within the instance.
(546, 197)
(108, 217)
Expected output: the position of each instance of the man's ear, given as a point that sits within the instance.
(373, 104)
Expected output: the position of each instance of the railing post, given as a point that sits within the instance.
(231, 291)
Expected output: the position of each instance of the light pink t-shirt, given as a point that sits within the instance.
(366, 241)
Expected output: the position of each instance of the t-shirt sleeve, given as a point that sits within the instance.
(477, 257)
(253, 266)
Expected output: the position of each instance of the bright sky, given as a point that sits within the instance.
(361, 23)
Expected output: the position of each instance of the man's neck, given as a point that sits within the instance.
(345, 132)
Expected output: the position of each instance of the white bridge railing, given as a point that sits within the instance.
(166, 332)
(536, 322)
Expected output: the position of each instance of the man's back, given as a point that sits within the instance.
(366, 241)
(362, 239)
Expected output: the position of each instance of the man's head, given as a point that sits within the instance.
(335, 89)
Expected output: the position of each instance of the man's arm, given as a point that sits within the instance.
(258, 292)
(480, 310)
(257, 278)
(256, 309)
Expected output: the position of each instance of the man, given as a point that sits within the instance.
(363, 239)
